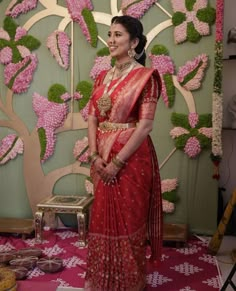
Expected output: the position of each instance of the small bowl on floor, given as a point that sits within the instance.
(6, 257)
(27, 262)
(50, 264)
(29, 252)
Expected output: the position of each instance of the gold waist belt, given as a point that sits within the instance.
(110, 126)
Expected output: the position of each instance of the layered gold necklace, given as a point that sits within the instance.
(104, 103)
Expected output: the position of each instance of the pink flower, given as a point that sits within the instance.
(24, 51)
(75, 9)
(192, 147)
(5, 55)
(178, 131)
(85, 112)
(59, 43)
(136, 8)
(20, 32)
(19, 76)
(81, 150)
(193, 119)
(100, 64)
(164, 64)
(168, 207)
(10, 147)
(15, 8)
(4, 34)
(169, 185)
(51, 115)
(185, 75)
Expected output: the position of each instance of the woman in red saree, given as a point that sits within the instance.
(127, 209)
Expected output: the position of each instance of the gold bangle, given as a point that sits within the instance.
(93, 157)
(118, 162)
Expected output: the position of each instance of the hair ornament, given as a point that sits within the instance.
(138, 56)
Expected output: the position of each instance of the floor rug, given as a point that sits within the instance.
(187, 268)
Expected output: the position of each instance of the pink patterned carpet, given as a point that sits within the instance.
(189, 268)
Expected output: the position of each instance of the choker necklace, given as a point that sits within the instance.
(104, 103)
(124, 66)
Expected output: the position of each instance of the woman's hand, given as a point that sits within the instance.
(107, 171)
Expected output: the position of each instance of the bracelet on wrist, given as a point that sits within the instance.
(118, 162)
(93, 157)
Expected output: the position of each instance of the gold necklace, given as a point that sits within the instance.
(104, 103)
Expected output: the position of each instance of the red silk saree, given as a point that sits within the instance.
(127, 213)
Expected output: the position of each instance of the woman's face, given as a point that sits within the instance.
(119, 42)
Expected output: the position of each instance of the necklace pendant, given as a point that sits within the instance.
(104, 104)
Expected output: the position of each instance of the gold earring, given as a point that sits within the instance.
(131, 53)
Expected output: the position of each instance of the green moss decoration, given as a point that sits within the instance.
(55, 92)
(10, 26)
(179, 119)
(43, 141)
(192, 33)
(92, 27)
(207, 15)
(189, 4)
(170, 89)
(159, 50)
(170, 196)
(195, 30)
(178, 18)
(191, 75)
(85, 89)
(103, 52)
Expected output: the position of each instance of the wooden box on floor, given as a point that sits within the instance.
(17, 226)
(175, 233)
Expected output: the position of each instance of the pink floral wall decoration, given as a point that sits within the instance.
(80, 12)
(191, 19)
(10, 146)
(191, 73)
(161, 61)
(16, 7)
(192, 133)
(59, 44)
(51, 115)
(15, 53)
(81, 150)
(169, 194)
(136, 8)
